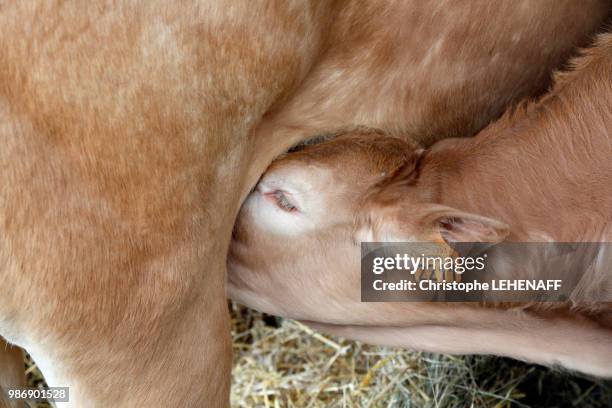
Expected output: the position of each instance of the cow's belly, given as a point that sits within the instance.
(124, 146)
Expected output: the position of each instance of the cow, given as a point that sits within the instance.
(11, 373)
(126, 140)
(540, 173)
(133, 132)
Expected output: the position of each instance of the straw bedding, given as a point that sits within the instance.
(282, 363)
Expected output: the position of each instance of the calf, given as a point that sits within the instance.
(133, 132)
(541, 172)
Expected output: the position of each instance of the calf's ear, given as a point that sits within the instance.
(459, 226)
(431, 223)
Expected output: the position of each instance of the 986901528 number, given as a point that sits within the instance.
(57, 394)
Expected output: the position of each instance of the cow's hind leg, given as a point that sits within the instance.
(12, 373)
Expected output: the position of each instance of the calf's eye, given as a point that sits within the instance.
(282, 201)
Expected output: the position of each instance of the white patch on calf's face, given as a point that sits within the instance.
(303, 188)
(263, 213)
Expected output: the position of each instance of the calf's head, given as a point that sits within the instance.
(296, 246)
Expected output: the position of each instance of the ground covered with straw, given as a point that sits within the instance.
(282, 363)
